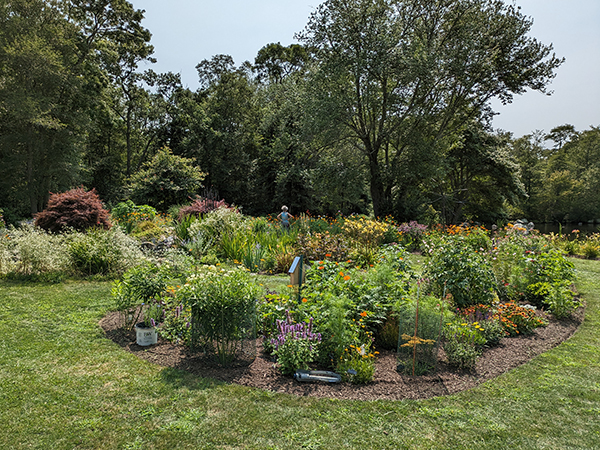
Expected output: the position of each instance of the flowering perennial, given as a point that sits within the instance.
(290, 331)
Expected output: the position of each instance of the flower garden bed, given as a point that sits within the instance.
(387, 382)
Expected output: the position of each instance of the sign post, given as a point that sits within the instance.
(297, 274)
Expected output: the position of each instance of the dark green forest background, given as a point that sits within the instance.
(383, 108)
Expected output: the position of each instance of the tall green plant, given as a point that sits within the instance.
(223, 304)
(462, 271)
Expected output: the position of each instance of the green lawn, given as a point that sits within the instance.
(64, 386)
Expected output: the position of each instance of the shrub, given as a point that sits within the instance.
(201, 206)
(316, 246)
(411, 235)
(102, 252)
(519, 319)
(166, 180)
(77, 209)
(357, 364)
(223, 304)
(487, 318)
(463, 342)
(32, 253)
(561, 301)
(128, 214)
(176, 325)
(420, 320)
(365, 231)
(140, 287)
(459, 269)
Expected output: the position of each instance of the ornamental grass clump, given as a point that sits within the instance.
(296, 344)
(31, 253)
(103, 252)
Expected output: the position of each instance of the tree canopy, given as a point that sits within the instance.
(383, 107)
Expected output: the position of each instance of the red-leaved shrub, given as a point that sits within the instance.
(78, 209)
(201, 206)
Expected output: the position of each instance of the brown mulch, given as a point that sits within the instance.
(387, 382)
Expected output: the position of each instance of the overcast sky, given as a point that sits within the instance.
(184, 32)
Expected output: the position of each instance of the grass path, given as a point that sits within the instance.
(64, 386)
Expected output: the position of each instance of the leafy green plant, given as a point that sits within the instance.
(140, 288)
(462, 343)
(127, 214)
(456, 268)
(357, 364)
(166, 180)
(102, 252)
(420, 319)
(488, 319)
(296, 345)
(561, 301)
(31, 253)
(223, 304)
(273, 308)
(316, 246)
(518, 319)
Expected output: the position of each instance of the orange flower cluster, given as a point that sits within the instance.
(514, 318)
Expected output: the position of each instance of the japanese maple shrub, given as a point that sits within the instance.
(77, 209)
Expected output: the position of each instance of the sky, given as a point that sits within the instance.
(185, 32)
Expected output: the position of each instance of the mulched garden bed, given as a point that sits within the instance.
(387, 383)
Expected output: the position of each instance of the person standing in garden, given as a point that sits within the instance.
(285, 217)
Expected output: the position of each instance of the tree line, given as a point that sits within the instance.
(383, 107)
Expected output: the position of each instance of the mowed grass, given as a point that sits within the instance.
(63, 385)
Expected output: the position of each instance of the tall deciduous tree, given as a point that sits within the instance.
(52, 72)
(398, 75)
(478, 178)
(223, 119)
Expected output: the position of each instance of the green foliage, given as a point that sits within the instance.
(561, 301)
(270, 310)
(463, 342)
(367, 70)
(100, 252)
(461, 270)
(139, 291)
(166, 180)
(357, 364)
(296, 345)
(518, 319)
(76, 209)
(31, 253)
(127, 214)
(54, 377)
(488, 321)
(223, 304)
(176, 323)
(318, 246)
(420, 319)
